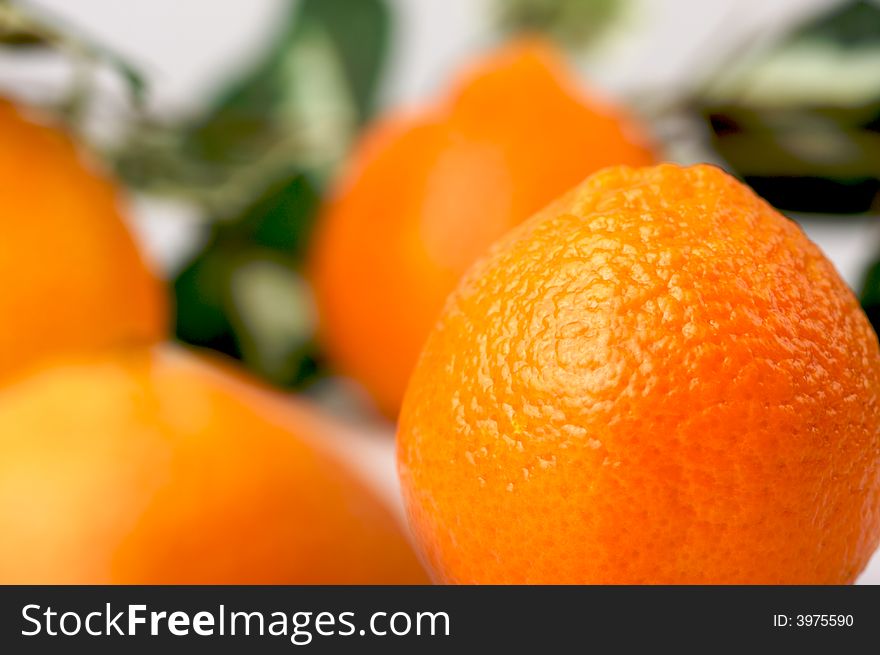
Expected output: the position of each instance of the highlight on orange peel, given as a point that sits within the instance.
(72, 276)
(425, 193)
(657, 379)
(153, 466)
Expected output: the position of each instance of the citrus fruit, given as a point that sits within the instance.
(152, 466)
(72, 277)
(657, 379)
(426, 192)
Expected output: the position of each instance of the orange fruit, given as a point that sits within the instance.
(154, 467)
(72, 277)
(657, 379)
(425, 193)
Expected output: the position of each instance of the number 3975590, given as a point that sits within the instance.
(813, 620)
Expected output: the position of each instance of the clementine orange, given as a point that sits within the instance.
(425, 193)
(72, 277)
(657, 379)
(150, 466)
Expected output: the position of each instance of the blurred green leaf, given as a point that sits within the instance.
(360, 31)
(243, 294)
(273, 317)
(281, 217)
(254, 162)
(798, 141)
(574, 23)
(201, 300)
(22, 38)
(800, 121)
(135, 82)
(832, 60)
(802, 159)
(871, 287)
(22, 26)
(297, 108)
(855, 24)
(870, 294)
(316, 82)
(18, 29)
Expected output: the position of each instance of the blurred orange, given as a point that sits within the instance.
(659, 379)
(154, 467)
(424, 194)
(72, 277)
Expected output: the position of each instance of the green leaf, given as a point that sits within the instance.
(870, 295)
(19, 29)
(243, 294)
(317, 80)
(833, 60)
(281, 217)
(273, 316)
(802, 159)
(854, 24)
(574, 23)
(201, 300)
(250, 303)
(255, 162)
(23, 26)
(360, 31)
(800, 121)
(798, 141)
(23, 39)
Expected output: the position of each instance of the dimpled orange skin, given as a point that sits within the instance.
(426, 193)
(155, 467)
(72, 277)
(657, 379)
